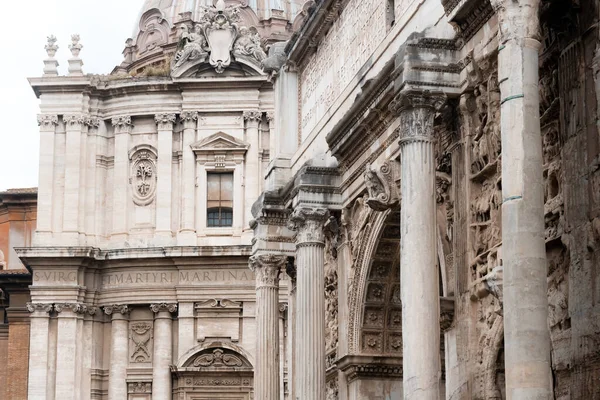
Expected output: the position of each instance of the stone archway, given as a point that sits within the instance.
(212, 373)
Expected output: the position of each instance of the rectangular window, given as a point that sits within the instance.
(220, 199)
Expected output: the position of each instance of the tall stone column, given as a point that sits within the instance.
(310, 301)
(163, 350)
(47, 125)
(187, 233)
(122, 126)
(73, 126)
(526, 335)
(68, 350)
(164, 186)
(119, 349)
(38, 350)
(292, 307)
(267, 268)
(252, 173)
(418, 256)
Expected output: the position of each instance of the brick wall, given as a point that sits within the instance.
(3, 359)
(18, 361)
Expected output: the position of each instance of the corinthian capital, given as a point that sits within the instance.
(517, 19)
(40, 307)
(93, 122)
(165, 121)
(122, 309)
(253, 115)
(74, 120)
(77, 308)
(309, 222)
(417, 112)
(122, 124)
(47, 121)
(158, 307)
(267, 268)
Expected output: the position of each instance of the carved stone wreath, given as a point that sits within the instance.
(143, 174)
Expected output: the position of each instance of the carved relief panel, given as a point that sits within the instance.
(141, 343)
(142, 176)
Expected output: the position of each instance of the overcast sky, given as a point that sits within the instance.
(104, 25)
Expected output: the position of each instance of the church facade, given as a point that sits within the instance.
(324, 200)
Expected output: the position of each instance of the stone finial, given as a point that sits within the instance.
(50, 64)
(75, 63)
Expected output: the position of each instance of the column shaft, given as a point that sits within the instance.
(122, 126)
(419, 280)
(163, 351)
(310, 317)
(117, 384)
(46, 180)
(419, 276)
(251, 184)
(164, 185)
(187, 233)
(267, 268)
(90, 182)
(67, 355)
(38, 352)
(73, 126)
(526, 335)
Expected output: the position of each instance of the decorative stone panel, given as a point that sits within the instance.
(143, 174)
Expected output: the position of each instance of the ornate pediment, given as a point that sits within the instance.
(218, 358)
(217, 40)
(219, 142)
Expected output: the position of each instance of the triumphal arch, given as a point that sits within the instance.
(338, 199)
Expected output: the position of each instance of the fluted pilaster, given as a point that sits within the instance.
(187, 233)
(117, 384)
(267, 268)
(163, 350)
(164, 186)
(310, 300)
(122, 128)
(418, 256)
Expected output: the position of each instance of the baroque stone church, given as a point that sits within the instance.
(316, 200)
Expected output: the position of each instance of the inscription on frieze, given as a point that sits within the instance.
(54, 277)
(172, 278)
(345, 48)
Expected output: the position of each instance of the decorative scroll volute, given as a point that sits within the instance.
(381, 185)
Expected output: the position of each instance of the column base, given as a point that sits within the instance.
(187, 238)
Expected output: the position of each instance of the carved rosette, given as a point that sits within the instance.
(74, 121)
(381, 186)
(122, 124)
(308, 223)
(417, 112)
(267, 268)
(39, 307)
(158, 307)
(189, 119)
(114, 309)
(165, 121)
(77, 308)
(47, 121)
